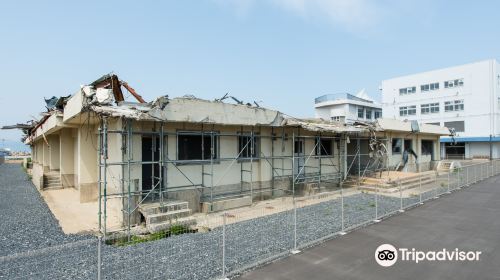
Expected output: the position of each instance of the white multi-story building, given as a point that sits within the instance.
(347, 108)
(465, 97)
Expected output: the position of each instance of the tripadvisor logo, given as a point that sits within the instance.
(387, 255)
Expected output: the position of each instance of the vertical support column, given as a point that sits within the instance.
(212, 153)
(162, 139)
(359, 160)
(272, 162)
(105, 157)
(342, 141)
(129, 158)
(67, 158)
(294, 251)
(251, 164)
(99, 174)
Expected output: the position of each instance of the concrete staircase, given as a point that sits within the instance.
(371, 184)
(444, 165)
(52, 181)
(161, 216)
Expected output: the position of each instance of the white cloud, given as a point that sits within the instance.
(350, 14)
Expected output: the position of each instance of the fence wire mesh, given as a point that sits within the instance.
(228, 242)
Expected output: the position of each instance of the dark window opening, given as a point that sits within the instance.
(427, 147)
(196, 147)
(397, 144)
(408, 144)
(324, 148)
(246, 147)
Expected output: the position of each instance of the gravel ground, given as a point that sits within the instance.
(27, 223)
(34, 247)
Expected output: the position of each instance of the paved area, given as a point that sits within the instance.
(468, 219)
(76, 217)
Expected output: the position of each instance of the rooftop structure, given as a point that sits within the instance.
(347, 108)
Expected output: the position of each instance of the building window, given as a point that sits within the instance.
(194, 146)
(408, 110)
(361, 113)
(454, 83)
(336, 118)
(429, 87)
(397, 144)
(408, 90)
(378, 114)
(368, 114)
(434, 123)
(430, 108)
(427, 147)
(248, 148)
(459, 126)
(324, 148)
(455, 105)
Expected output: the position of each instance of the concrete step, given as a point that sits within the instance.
(167, 216)
(188, 221)
(393, 189)
(54, 187)
(52, 181)
(167, 206)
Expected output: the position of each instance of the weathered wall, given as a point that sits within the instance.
(87, 163)
(54, 151)
(66, 157)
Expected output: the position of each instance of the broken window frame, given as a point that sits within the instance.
(396, 145)
(207, 136)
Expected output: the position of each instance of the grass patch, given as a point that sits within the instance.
(136, 239)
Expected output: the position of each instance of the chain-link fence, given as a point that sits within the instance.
(226, 243)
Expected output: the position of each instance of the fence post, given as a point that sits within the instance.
(467, 176)
(376, 205)
(224, 221)
(99, 261)
(449, 182)
(295, 250)
(400, 197)
(420, 190)
(342, 208)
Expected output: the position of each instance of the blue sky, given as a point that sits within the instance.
(281, 52)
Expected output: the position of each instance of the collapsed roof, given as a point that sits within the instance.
(104, 98)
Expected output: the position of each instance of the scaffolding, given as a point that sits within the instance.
(288, 161)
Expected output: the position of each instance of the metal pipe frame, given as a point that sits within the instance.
(164, 161)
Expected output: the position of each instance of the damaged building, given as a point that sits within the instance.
(151, 162)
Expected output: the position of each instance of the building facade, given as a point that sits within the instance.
(206, 155)
(465, 98)
(346, 108)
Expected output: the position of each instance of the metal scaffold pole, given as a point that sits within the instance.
(129, 158)
(104, 161)
(293, 196)
(99, 183)
(161, 164)
(251, 164)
